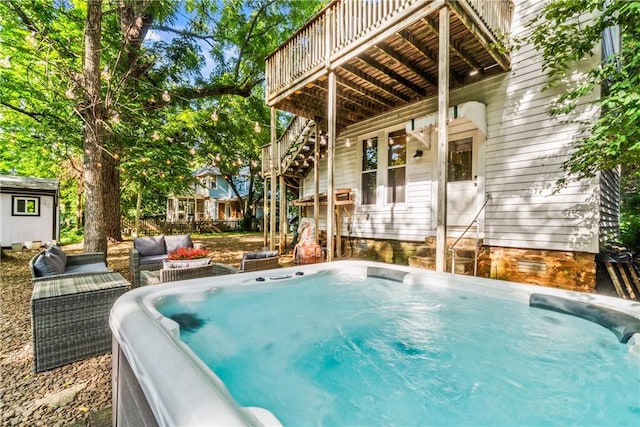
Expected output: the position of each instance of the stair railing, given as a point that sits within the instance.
(475, 256)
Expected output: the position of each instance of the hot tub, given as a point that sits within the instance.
(161, 376)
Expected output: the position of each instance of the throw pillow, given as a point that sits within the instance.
(148, 246)
(40, 267)
(179, 241)
(59, 252)
(54, 263)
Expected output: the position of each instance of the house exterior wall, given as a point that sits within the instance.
(520, 162)
(211, 197)
(19, 229)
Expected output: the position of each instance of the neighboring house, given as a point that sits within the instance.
(29, 210)
(415, 103)
(209, 198)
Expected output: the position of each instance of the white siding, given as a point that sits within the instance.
(18, 229)
(521, 161)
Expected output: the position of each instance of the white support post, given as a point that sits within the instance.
(331, 139)
(316, 180)
(274, 165)
(265, 209)
(443, 139)
(283, 213)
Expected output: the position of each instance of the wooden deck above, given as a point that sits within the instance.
(385, 55)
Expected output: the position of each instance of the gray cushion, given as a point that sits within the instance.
(85, 268)
(259, 254)
(178, 241)
(59, 252)
(54, 263)
(41, 269)
(149, 245)
(153, 259)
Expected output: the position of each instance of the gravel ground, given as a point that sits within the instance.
(67, 395)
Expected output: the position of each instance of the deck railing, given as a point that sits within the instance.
(345, 23)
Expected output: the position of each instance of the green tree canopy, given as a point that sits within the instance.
(92, 82)
(568, 31)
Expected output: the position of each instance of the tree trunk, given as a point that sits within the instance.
(138, 209)
(111, 179)
(94, 231)
(80, 207)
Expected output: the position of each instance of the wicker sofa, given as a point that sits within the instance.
(149, 253)
(259, 260)
(54, 263)
(251, 261)
(176, 274)
(70, 303)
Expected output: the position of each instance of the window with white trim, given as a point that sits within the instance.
(460, 162)
(369, 170)
(25, 206)
(396, 166)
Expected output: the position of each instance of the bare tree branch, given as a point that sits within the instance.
(205, 38)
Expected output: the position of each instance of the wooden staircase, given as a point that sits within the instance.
(465, 253)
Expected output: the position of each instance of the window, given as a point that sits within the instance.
(369, 170)
(396, 161)
(26, 206)
(460, 160)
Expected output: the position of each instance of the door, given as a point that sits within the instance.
(465, 183)
(462, 187)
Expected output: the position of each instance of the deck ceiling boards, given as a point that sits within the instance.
(394, 72)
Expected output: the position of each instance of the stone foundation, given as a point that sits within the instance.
(558, 269)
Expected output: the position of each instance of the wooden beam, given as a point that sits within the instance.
(411, 66)
(379, 85)
(395, 76)
(364, 93)
(423, 49)
(303, 108)
(348, 101)
(443, 139)
(433, 27)
(312, 99)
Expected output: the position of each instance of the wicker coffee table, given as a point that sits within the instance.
(70, 317)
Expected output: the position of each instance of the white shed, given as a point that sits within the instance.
(29, 209)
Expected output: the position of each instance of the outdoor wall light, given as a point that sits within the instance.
(418, 154)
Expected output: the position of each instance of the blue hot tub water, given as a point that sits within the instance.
(329, 349)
